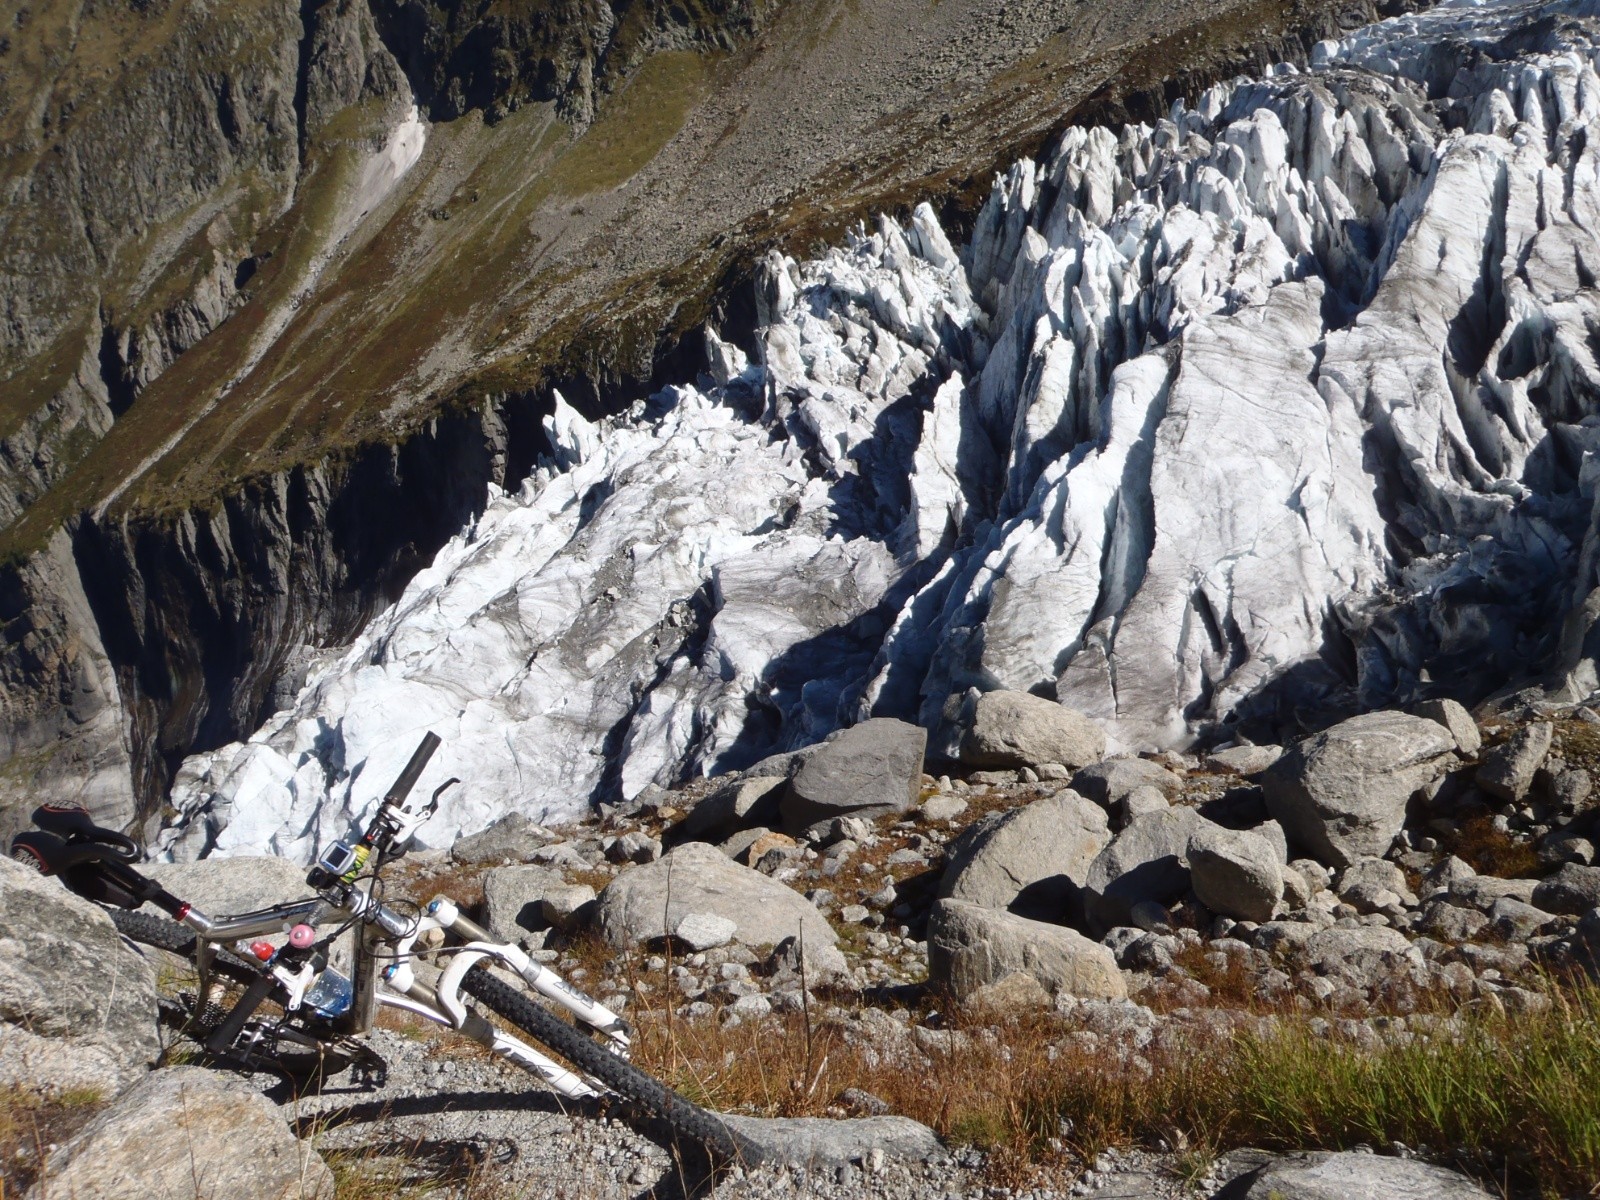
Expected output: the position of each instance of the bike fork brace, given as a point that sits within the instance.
(405, 991)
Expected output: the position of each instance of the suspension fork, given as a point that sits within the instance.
(481, 945)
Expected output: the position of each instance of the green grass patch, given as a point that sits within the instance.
(632, 126)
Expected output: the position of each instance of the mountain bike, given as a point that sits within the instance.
(280, 1004)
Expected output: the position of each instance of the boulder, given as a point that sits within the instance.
(867, 770)
(77, 1002)
(1507, 771)
(1564, 846)
(738, 804)
(1360, 954)
(513, 899)
(1481, 891)
(1113, 780)
(943, 808)
(1032, 860)
(1146, 861)
(1342, 794)
(1454, 717)
(1235, 873)
(1351, 1176)
(223, 886)
(513, 838)
(1017, 992)
(738, 846)
(1244, 760)
(1573, 890)
(187, 1133)
(1517, 922)
(1368, 876)
(1141, 800)
(704, 931)
(634, 847)
(1451, 923)
(1015, 729)
(1297, 892)
(646, 903)
(814, 1143)
(970, 947)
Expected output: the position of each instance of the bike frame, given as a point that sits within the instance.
(403, 985)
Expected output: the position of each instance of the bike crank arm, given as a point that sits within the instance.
(540, 978)
(422, 1000)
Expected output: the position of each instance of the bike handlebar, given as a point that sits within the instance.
(408, 778)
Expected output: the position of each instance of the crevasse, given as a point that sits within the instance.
(1280, 408)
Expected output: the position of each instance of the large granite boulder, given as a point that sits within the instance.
(1148, 860)
(1015, 729)
(1031, 860)
(1342, 794)
(648, 902)
(77, 1002)
(1360, 954)
(224, 886)
(1236, 873)
(513, 838)
(187, 1133)
(738, 804)
(870, 769)
(970, 947)
(1508, 770)
(1574, 889)
(519, 900)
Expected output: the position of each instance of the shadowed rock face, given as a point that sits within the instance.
(1172, 440)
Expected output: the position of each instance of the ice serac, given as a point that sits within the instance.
(1281, 407)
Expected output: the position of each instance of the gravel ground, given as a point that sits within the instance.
(471, 1127)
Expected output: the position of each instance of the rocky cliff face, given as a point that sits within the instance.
(1275, 409)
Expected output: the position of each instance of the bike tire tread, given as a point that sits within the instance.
(151, 930)
(620, 1075)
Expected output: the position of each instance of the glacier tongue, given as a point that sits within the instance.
(1280, 407)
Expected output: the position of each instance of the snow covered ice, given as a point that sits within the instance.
(1282, 407)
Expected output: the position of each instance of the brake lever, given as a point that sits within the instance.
(433, 803)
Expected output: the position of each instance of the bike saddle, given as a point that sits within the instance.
(74, 825)
(78, 864)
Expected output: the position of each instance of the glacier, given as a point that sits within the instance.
(1279, 408)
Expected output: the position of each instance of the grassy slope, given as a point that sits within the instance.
(517, 253)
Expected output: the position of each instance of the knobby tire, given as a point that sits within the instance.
(163, 934)
(618, 1074)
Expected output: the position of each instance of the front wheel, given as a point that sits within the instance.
(618, 1074)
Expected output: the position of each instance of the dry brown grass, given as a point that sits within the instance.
(1491, 851)
(462, 882)
(1509, 1100)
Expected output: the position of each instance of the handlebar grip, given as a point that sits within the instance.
(408, 778)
